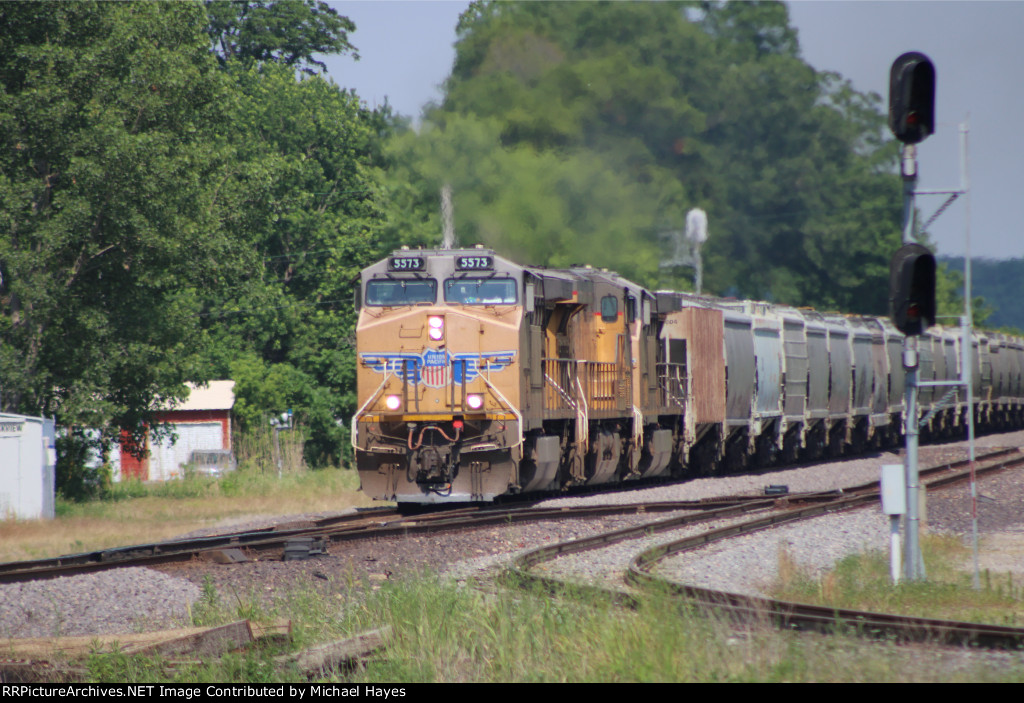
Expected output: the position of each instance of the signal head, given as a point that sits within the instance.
(912, 289)
(912, 97)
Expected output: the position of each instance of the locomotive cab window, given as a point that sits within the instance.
(609, 308)
(392, 292)
(480, 291)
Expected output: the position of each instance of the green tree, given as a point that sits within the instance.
(949, 297)
(282, 31)
(681, 105)
(306, 185)
(305, 188)
(111, 116)
(170, 213)
(533, 205)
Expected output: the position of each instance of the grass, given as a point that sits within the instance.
(135, 513)
(132, 512)
(447, 633)
(863, 582)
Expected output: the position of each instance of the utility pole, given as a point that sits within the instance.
(966, 321)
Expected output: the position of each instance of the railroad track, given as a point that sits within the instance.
(785, 614)
(376, 523)
(749, 513)
(318, 534)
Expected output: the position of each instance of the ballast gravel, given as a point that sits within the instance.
(750, 564)
(141, 599)
(114, 602)
(812, 545)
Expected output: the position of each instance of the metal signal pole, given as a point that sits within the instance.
(967, 362)
(913, 565)
(912, 277)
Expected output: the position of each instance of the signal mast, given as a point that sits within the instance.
(912, 269)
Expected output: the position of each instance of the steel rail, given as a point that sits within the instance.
(783, 613)
(175, 550)
(824, 618)
(383, 522)
(387, 523)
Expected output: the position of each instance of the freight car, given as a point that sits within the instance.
(478, 377)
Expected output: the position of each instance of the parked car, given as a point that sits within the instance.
(211, 462)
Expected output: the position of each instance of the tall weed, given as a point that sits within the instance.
(445, 632)
(863, 582)
(258, 449)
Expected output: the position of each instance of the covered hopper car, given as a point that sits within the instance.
(478, 377)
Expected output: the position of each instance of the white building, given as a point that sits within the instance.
(28, 459)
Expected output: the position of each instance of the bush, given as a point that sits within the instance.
(76, 480)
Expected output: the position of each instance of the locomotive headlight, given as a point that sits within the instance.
(393, 402)
(475, 401)
(435, 326)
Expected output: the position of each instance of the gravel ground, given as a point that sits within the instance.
(108, 602)
(814, 545)
(749, 564)
(129, 600)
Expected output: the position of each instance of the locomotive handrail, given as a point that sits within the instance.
(373, 397)
(603, 381)
(582, 418)
(667, 381)
(565, 396)
(509, 406)
(566, 369)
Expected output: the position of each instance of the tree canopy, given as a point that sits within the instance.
(623, 116)
(178, 203)
(308, 212)
(290, 32)
(184, 195)
(111, 117)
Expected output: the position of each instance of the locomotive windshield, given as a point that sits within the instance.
(403, 291)
(480, 291)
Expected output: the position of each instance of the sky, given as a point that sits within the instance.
(406, 51)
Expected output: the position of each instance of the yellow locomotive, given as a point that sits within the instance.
(478, 377)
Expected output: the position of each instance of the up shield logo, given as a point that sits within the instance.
(438, 368)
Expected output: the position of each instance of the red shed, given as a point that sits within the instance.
(201, 422)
